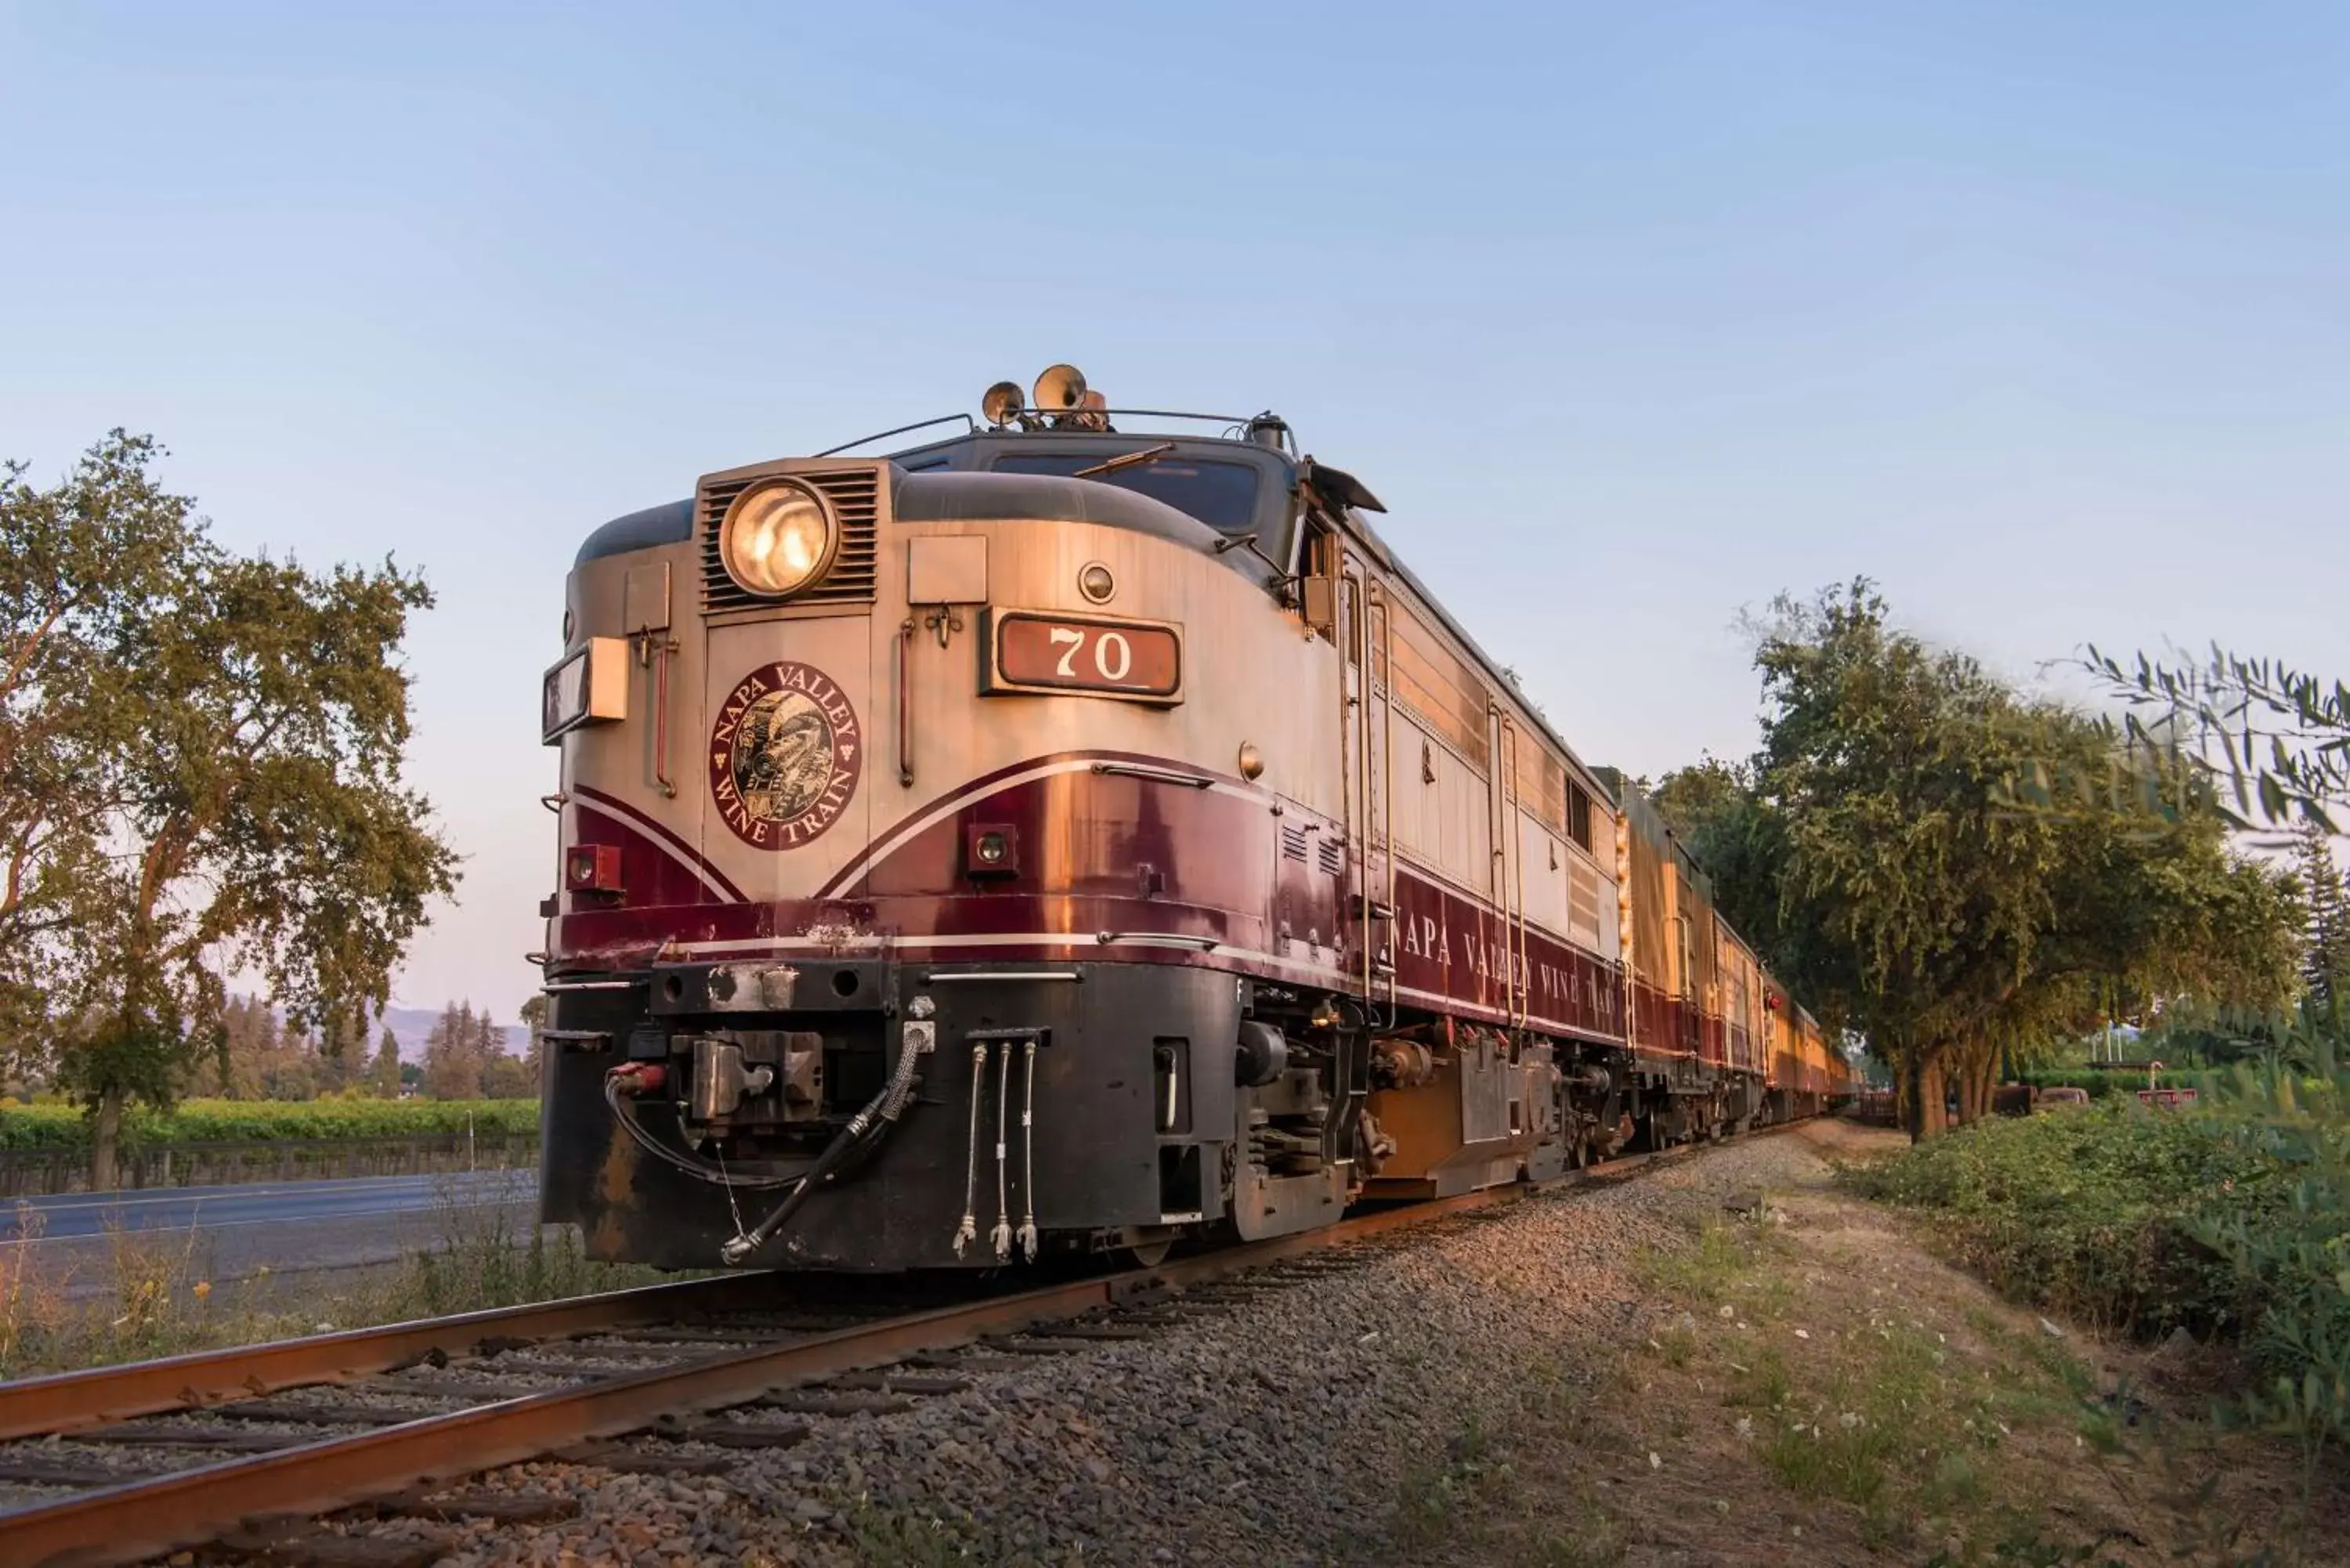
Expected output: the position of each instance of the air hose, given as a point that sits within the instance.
(870, 1123)
(624, 1083)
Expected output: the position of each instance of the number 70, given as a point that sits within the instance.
(1113, 657)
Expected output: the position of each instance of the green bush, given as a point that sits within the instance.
(2294, 1252)
(2090, 1213)
(2231, 1219)
(2108, 1083)
(264, 1121)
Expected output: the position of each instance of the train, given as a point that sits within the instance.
(1077, 833)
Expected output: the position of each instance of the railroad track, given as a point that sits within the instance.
(243, 1446)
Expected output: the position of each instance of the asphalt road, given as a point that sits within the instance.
(259, 1203)
(282, 1227)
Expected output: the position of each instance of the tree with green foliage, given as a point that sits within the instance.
(2325, 955)
(1881, 854)
(383, 1071)
(454, 1054)
(533, 1019)
(1715, 809)
(2274, 740)
(200, 774)
(506, 1077)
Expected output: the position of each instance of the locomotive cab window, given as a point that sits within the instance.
(1220, 495)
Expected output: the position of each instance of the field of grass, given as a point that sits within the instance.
(53, 1125)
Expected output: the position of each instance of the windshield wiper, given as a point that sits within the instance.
(1125, 460)
(1248, 541)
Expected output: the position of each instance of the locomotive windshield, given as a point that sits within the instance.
(1220, 495)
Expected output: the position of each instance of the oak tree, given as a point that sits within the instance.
(200, 760)
(1906, 849)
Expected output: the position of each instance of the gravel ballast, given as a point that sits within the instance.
(1280, 1430)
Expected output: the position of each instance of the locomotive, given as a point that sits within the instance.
(1081, 834)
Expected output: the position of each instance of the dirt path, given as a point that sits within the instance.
(1806, 1384)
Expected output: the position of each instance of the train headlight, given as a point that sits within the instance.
(777, 537)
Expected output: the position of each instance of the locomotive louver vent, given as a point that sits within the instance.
(1333, 858)
(855, 494)
(1293, 844)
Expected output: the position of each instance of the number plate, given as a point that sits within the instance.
(1032, 651)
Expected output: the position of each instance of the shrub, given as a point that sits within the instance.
(2093, 1214)
(263, 1121)
(2111, 1083)
(2232, 1217)
(2293, 1251)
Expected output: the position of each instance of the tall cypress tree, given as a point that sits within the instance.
(2325, 954)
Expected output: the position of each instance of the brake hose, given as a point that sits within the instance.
(878, 1113)
(622, 1078)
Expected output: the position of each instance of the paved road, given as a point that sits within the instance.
(243, 1232)
(74, 1214)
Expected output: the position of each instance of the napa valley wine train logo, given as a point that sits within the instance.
(784, 755)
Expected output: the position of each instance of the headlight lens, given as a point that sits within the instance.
(776, 539)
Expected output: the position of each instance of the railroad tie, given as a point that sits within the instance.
(889, 1382)
(727, 1434)
(328, 1550)
(316, 1412)
(500, 1507)
(625, 1460)
(55, 1473)
(956, 1361)
(822, 1402)
(478, 1391)
(164, 1434)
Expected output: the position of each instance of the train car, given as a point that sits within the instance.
(1080, 833)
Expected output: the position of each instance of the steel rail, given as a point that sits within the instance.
(36, 1407)
(155, 1515)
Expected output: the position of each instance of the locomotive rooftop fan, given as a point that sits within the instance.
(1002, 405)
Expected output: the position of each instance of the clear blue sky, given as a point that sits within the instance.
(1635, 315)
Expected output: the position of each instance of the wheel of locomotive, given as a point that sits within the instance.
(1138, 1247)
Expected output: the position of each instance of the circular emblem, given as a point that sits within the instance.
(784, 756)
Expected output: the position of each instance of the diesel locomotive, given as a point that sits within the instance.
(1081, 832)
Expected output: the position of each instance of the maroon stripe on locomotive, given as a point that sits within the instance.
(1136, 857)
